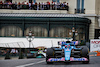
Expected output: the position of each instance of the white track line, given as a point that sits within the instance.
(30, 64)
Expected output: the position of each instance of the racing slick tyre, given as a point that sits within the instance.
(49, 54)
(85, 53)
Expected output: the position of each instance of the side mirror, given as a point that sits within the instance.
(59, 43)
(75, 43)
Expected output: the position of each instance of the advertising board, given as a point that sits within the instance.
(95, 45)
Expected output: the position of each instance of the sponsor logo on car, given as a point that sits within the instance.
(67, 49)
(56, 59)
(78, 59)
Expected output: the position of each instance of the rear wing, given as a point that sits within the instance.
(72, 42)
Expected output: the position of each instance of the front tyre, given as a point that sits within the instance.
(49, 54)
(85, 53)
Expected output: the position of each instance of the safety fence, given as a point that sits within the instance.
(13, 45)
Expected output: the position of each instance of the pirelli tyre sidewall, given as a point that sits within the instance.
(85, 53)
(49, 54)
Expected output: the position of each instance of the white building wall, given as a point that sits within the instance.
(92, 28)
(89, 6)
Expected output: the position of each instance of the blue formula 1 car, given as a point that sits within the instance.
(68, 52)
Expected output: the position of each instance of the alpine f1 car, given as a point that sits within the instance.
(68, 52)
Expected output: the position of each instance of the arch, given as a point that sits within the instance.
(11, 31)
(60, 31)
(38, 31)
(81, 34)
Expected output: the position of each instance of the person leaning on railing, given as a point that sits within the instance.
(18, 5)
(1, 4)
(27, 5)
(35, 6)
(13, 6)
(30, 5)
(22, 5)
(9, 3)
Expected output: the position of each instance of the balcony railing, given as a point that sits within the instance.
(80, 11)
(34, 7)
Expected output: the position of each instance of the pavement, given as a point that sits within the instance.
(40, 62)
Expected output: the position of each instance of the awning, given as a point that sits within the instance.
(43, 17)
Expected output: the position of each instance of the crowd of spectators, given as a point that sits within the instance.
(12, 52)
(34, 6)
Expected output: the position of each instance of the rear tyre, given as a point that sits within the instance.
(85, 53)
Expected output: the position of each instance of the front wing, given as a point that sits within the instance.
(63, 59)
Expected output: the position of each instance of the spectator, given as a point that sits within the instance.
(25, 4)
(15, 5)
(14, 52)
(33, 5)
(22, 5)
(9, 3)
(5, 6)
(39, 6)
(1, 4)
(58, 6)
(49, 5)
(18, 6)
(30, 5)
(67, 7)
(52, 5)
(42, 6)
(45, 6)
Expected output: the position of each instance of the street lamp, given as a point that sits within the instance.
(75, 33)
(30, 37)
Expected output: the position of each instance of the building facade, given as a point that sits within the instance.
(84, 15)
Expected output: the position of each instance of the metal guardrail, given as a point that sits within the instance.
(13, 45)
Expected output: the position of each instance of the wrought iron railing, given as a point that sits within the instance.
(35, 7)
(80, 11)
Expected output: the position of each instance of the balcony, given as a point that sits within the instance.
(13, 8)
(79, 11)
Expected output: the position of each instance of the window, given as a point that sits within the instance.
(59, 32)
(11, 31)
(80, 6)
(38, 31)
